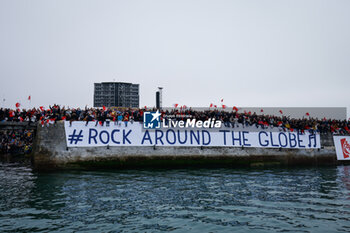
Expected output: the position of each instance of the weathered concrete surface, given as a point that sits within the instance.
(50, 152)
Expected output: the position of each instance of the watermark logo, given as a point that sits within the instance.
(345, 147)
(151, 120)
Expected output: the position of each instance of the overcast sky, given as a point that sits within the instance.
(249, 52)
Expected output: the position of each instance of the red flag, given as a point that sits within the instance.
(223, 106)
(18, 105)
(211, 105)
(11, 114)
(145, 107)
(281, 112)
(42, 122)
(63, 118)
(29, 98)
(21, 119)
(184, 106)
(249, 112)
(100, 122)
(104, 108)
(175, 105)
(307, 114)
(332, 129)
(261, 110)
(41, 108)
(235, 108)
(215, 106)
(222, 100)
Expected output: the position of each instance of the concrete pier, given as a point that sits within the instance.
(51, 152)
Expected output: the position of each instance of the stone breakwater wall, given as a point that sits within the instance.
(51, 152)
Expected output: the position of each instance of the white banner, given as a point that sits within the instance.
(92, 135)
(342, 147)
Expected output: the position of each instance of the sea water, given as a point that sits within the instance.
(312, 199)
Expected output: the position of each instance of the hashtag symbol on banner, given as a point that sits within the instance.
(76, 137)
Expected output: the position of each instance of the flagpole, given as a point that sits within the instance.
(30, 101)
(3, 101)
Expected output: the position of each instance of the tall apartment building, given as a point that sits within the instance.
(116, 94)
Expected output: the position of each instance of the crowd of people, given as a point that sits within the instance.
(16, 141)
(229, 118)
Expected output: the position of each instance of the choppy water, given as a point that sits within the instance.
(202, 200)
